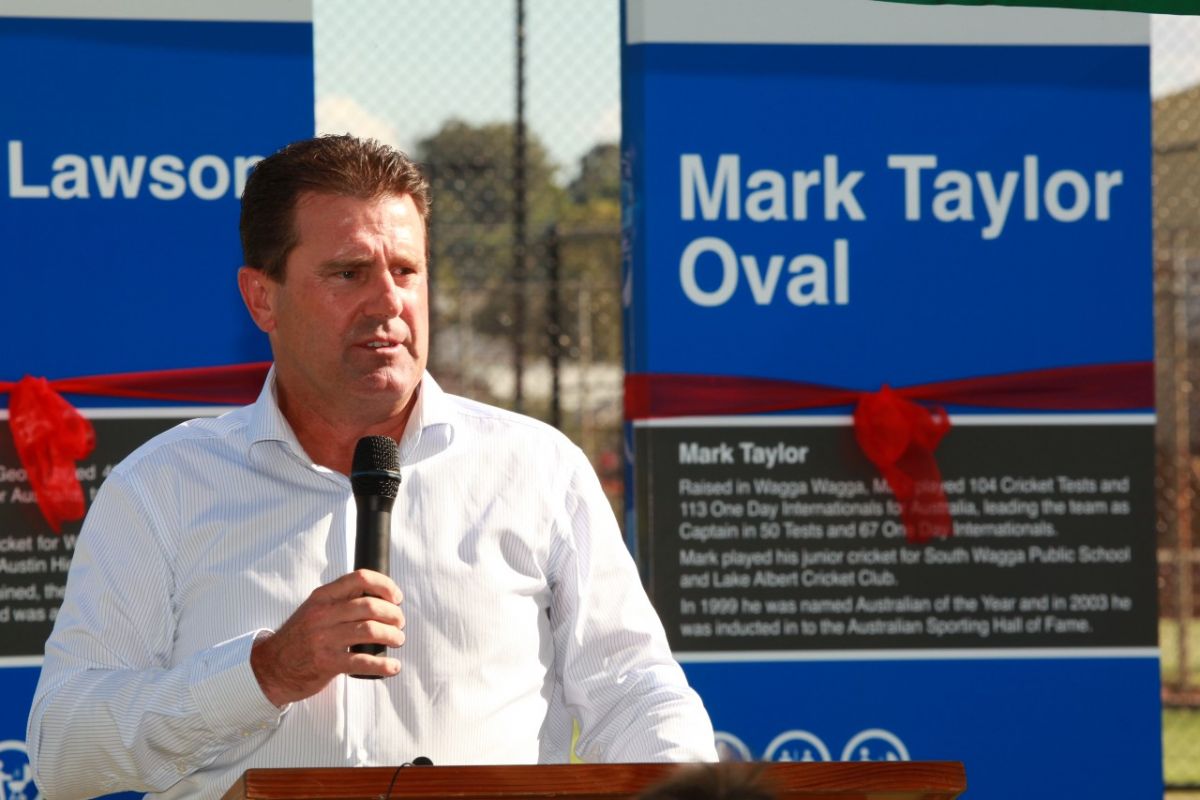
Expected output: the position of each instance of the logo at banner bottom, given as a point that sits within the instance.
(16, 775)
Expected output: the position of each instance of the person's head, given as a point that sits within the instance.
(334, 236)
(712, 782)
(337, 165)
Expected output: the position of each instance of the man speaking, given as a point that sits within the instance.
(212, 601)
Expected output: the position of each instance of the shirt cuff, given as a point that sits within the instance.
(227, 693)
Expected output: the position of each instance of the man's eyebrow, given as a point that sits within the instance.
(334, 264)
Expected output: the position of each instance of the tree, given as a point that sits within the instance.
(473, 243)
(473, 246)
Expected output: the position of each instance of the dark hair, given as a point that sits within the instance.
(337, 165)
(712, 782)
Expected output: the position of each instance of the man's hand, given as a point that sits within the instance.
(313, 645)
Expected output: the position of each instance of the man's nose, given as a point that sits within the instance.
(385, 297)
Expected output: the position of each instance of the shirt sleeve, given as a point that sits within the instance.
(619, 679)
(114, 709)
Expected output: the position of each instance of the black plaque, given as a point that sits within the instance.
(787, 538)
(33, 558)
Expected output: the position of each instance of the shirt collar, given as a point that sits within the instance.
(429, 431)
(267, 423)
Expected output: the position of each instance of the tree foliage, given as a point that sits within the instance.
(474, 249)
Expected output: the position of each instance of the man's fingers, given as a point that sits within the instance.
(361, 620)
(360, 582)
(363, 664)
(358, 609)
(371, 632)
(362, 608)
(357, 583)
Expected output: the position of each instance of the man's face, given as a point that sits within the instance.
(349, 324)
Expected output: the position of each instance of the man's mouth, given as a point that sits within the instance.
(380, 344)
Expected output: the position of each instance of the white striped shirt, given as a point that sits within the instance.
(523, 610)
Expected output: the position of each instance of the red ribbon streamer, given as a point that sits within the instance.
(234, 384)
(1095, 387)
(895, 433)
(50, 435)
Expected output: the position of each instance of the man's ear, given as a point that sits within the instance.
(258, 293)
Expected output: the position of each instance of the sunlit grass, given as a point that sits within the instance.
(1181, 726)
(1181, 746)
(1168, 644)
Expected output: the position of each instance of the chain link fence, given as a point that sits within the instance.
(1176, 141)
(514, 109)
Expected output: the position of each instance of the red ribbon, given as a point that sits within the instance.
(1095, 387)
(899, 437)
(895, 433)
(50, 435)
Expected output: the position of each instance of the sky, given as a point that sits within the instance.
(398, 69)
(1174, 53)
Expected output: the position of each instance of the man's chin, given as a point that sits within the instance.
(388, 384)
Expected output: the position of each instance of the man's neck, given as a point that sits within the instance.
(330, 441)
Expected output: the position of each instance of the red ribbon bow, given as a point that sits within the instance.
(899, 438)
(50, 436)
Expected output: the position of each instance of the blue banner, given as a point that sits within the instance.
(1023, 728)
(860, 215)
(124, 145)
(825, 198)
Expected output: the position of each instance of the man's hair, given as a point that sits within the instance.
(337, 165)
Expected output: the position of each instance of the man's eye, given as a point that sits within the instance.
(347, 274)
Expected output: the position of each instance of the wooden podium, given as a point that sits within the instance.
(882, 780)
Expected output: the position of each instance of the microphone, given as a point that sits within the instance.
(375, 479)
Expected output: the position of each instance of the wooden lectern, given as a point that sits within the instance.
(881, 780)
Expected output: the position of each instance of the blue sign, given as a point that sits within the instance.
(837, 195)
(123, 148)
(1023, 727)
(124, 145)
(802, 216)
(16, 778)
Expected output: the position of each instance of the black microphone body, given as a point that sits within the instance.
(372, 540)
(375, 478)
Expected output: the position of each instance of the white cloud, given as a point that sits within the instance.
(342, 114)
(606, 127)
(1175, 49)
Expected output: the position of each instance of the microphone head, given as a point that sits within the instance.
(376, 467)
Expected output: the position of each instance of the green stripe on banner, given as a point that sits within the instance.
(1150, 6)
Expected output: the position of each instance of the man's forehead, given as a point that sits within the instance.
(310, 197)
(332, 232)
(339, 217)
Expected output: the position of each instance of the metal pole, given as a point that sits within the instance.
(1183, 537)
(520, 250)
(587, 416)
(554, 323)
